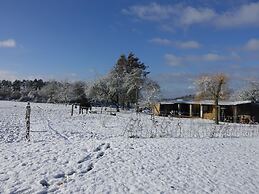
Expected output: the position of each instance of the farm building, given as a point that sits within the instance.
(237, 111)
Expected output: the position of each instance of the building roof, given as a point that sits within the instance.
(207, 102)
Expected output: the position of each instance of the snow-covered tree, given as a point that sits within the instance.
(5, 89)
(150, 92)
(213, 87)
(79, 90)
(127, 78)
(51, 92)
(100, 90)
(249, 92)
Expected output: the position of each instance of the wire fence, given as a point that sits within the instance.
(141, 127)
(14, 125)
(126, 124)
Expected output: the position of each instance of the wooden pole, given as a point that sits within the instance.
(72, 110)
(27, 119)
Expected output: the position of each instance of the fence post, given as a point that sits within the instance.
(72, 110)
(27, 119)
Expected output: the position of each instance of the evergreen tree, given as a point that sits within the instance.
(126, 80)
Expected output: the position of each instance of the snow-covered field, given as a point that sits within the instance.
(93, 153)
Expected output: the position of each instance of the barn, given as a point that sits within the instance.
(229, 111)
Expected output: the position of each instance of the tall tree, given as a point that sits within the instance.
(127, 78)
(123, 84)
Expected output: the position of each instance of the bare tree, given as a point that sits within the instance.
(213, 87)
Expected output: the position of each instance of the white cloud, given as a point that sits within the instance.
(174, 60)
(179, 44)
(191, 15)
(212, 57)
(243, 16)
(161, 41)
(184, 16)
(152, 11)
(252, 45)
(189, 44)
(177, 13)
(9, 43)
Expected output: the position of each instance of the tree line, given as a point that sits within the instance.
(38, 90)
(123, 86)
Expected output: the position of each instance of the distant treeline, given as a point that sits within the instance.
(42, 91)
(124, 85)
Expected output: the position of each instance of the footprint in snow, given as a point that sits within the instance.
(42, 192)
(71, 172)
(44, 183)
(89, 168)
(98, 148)
(99, 155)
(84, 159)
(59, 175)
(103, 145)
(107, 146)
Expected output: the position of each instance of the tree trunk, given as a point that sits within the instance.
(216, 111)
(137, 105)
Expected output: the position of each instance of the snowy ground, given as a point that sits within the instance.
(93, 154)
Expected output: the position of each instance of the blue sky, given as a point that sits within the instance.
(82, 39)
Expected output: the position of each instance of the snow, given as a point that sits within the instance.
(92, 153)
(208, 102)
